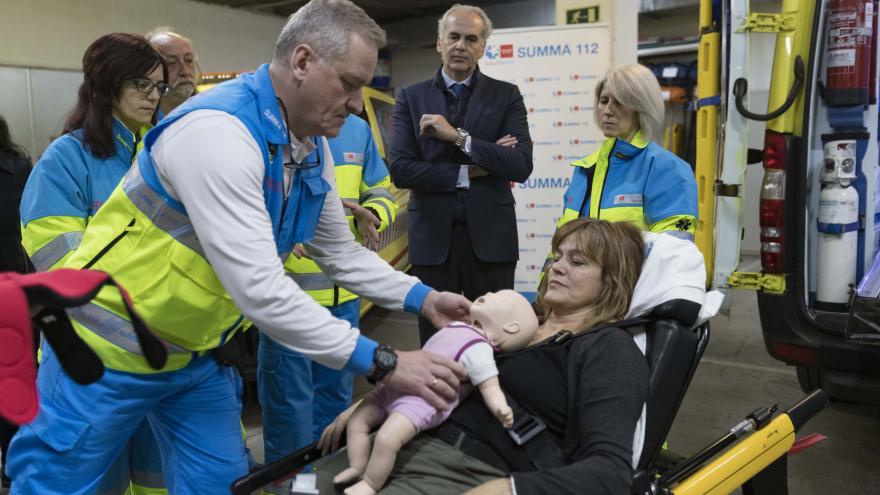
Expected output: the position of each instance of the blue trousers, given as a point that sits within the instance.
(81, 430)
(138, 469)
(300, 397)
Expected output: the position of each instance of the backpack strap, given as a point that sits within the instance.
(48, 293)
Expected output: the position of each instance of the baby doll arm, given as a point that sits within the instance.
(479, 361)
(496, 401)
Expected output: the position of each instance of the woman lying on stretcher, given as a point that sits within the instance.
(590, 390)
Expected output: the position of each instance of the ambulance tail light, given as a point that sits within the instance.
(793, 354)
(772, 206)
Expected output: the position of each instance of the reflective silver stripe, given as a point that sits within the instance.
(384, 207)
(166, 218)
(681, 235)
(377, 192)
(114, 328)
(52, 252)
(311, 281)
(353, 200)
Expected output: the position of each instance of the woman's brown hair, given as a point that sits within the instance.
(107, 63)
(618, 249)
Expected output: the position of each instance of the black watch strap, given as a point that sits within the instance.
(384, 362)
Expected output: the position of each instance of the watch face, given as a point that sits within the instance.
(385, 358)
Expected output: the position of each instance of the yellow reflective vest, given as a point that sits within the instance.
(144, 239)
(637, 182)
(361, 177)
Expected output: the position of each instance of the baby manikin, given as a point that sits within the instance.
(502, 321)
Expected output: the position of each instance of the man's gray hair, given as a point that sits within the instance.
(457, 8)
(165, 30)
(635, 87)
(323, 24)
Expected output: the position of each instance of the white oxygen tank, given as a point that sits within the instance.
(838, 224)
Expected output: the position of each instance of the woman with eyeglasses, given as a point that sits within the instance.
(123, 78)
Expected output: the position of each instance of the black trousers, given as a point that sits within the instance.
(463, 273)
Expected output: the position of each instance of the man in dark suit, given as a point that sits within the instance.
(460, 138)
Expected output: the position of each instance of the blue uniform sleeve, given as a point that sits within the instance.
(375, 171)
(416, 297)
(670, 191)
(361, 359)
(55, 204)
(58, 186)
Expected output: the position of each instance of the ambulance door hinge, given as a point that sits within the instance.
(758, 22)
(766, 282)
(728, 190)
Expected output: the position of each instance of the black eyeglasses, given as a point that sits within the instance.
(311, 161)
(146, 86)
(293, 164)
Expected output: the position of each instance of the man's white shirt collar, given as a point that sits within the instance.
(299, 150)
(450, 81)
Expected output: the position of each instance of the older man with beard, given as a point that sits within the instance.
(183, 66)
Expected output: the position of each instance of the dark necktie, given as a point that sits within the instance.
(456, 89)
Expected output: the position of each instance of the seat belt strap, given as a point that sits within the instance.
(532, 436)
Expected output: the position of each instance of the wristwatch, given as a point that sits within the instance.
(384, 362)
(462, 138)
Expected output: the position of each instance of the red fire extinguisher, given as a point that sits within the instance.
(849, 49)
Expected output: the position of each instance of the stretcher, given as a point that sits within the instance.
(752, 455)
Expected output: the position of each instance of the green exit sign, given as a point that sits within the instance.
(582, 16)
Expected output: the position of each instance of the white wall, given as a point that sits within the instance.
(621, 14)
(42, 43)
(55, 33)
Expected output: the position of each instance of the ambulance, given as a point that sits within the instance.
(818, 282)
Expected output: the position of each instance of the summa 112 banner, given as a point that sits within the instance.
(556, 70)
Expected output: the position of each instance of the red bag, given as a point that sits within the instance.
(46, 294)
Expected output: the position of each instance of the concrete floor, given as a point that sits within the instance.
(735, 377)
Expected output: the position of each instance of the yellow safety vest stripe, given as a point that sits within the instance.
(632, 214)
(49, 241)
(175, 289)
(351, 186)
(672, 224)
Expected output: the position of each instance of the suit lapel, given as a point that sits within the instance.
(479, 97)
(435, 100)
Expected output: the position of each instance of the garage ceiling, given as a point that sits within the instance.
(383, 11)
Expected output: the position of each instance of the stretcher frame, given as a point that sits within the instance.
(753, 455)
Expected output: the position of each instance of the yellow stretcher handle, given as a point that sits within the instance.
(742, 461)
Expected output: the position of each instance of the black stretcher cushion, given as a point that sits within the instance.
(673, 351)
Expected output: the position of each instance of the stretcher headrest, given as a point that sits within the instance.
(681, 310)
(673, 282)
(42, 297)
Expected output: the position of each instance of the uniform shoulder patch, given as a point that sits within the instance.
(629, 199)
(352, 157)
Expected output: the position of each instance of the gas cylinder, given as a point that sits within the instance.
(838, 225)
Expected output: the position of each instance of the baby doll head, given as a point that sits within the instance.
(506, 318)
